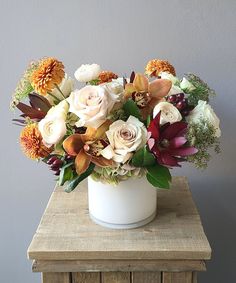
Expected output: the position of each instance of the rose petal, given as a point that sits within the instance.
(159, 88)
(108, 152)
(140, 82)
(73, 144)
(82, 162)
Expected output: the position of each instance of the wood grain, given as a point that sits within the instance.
(177, 277)
(85, 277)
(146, 277)
(194, 277)
(53, 277)
(67, 233)
(117, 265)
(115, 277)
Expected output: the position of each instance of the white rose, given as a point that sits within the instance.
(186, 85)
(169, 113)
(87, 72)
(204, 111)
(170, 77)
(53, 126)
(124, 138)
(115, 86)
(91, 104)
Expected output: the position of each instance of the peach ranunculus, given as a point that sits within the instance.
(91, 104)
(147, 94)
(87, 148)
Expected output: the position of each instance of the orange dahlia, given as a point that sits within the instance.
(49, 73)
(155, 67)
(32, 142)
(106, 76)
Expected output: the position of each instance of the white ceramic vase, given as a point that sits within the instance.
(130, 204)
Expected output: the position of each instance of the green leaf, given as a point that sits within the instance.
(71, 185)
(66, 174)
(143, 158)
(148, 121)
(159, 176)
(131, 109)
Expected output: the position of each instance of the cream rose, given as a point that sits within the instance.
(169, 113)
(204, 111)
(124, 138)
(170, 77)
(87, 72)
(91, 104)
(115, 87)
(53, 126)
(186, 85)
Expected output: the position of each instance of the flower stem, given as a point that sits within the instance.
(53, 96)
(57, 87)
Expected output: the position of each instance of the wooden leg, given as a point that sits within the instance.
(194, 277)
(116, 277)
(146, 277)
(56, 277)
(177, 277)
(86, 277)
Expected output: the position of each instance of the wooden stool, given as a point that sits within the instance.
(69, 248)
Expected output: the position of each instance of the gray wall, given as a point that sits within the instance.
(197, 36)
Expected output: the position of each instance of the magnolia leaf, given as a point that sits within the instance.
(143, 158)
(66, 174)
(72, 184)
(131, 109)
(159, 176)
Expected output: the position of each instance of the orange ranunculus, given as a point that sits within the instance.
(147, 94)
(156, 66)
(87, 148)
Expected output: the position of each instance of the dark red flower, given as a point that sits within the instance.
(168, 142)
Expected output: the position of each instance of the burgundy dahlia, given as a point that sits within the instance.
(168, 142)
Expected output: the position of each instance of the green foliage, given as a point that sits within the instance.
(94, 82)
(72, 184)
(66, 174)
(117, 115)
(143, 158)
(159, 176)
(202, 136)
(201, 92)
(24, 87)
(131, 109)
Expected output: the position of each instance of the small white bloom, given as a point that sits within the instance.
(186, 85)
(204, 111)
(115, 87)
(169, 113)
(87, 72)
(53, 126)
(91, 104)
(170, 77)
(124, 138)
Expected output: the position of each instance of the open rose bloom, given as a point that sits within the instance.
(114, 128)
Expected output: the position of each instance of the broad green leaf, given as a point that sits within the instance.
(143, 158)
(131, 109)
(71, 185)
(159, 176)
(66, 174)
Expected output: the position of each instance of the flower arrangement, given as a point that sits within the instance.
(114, 128)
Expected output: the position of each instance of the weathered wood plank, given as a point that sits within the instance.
(54, 277)
(85, 277)
(146, 277)
(194, 277)
(117, 265)
(67, 233)
(177, 277)
(115, 277)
